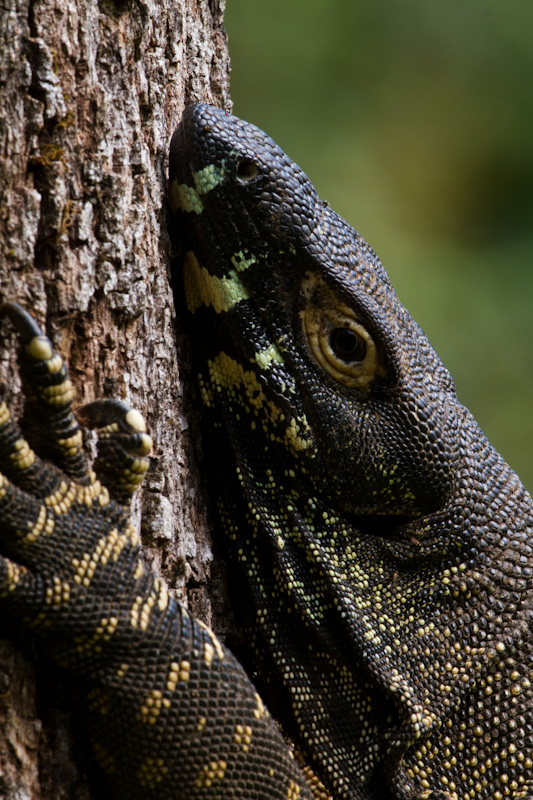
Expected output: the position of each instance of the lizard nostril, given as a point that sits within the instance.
(247, 170)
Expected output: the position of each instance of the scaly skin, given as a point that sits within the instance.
(382, 547)
(171, 712)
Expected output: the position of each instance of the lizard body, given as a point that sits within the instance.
(382, 545)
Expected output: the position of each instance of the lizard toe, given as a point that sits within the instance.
(48, 421)
(123, 445)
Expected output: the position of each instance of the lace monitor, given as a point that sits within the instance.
(382, 548)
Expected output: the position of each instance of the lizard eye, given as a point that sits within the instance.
(348, 345)
(341, 345)
(247, 170)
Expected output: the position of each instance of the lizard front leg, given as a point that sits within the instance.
(171, 712)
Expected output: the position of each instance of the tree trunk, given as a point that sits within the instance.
(90, 93)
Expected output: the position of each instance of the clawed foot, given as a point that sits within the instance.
(61, 519)
(170, 711)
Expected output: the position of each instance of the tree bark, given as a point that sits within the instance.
(90, 93)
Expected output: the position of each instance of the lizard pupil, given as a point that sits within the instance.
(247, 170)
(347, 345)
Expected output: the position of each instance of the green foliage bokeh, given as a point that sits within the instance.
(414, 119)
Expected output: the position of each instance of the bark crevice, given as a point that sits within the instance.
(90, 94)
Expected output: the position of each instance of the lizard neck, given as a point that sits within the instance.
(320, 600)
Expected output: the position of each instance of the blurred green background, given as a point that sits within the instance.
(414, 119)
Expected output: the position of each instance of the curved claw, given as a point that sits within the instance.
(26, 326)
(123, 447)
(51, 428)
(102, 413)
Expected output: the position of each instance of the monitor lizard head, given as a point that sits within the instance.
(312, 341)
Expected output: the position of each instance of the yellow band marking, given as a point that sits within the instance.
(99, 701)
(142, 607)
(201, 287)
(107, 547)
(225, 372)
(86, 494)
(59, 593)
(55, 364)
(103, 496)
(72, 445)
(318, 790)
(209, 177)
(62, 499)
(243, 387)
(162, 600)
(23, 457)
(187, 198)
(44, 523)
(294, 434)
(58, 395)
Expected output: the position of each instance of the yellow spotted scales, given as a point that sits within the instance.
(380, 549)
(170, 711)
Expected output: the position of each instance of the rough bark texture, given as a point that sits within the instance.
(90, 93)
